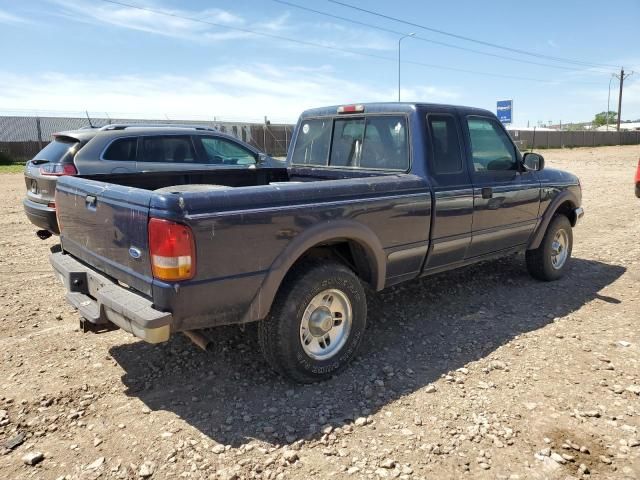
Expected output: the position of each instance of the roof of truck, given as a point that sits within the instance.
(389, 107)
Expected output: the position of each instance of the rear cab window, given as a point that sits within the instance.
(377, 142)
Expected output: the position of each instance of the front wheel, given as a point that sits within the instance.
(550, 260)
(316, 323)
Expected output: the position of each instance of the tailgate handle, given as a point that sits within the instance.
(91, 201)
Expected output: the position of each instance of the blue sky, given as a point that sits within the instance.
(72, 55)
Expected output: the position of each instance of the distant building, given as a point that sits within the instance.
(623, 126)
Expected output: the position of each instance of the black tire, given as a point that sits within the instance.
(540, 262)
(279, 334)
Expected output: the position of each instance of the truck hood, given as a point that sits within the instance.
(553, 175)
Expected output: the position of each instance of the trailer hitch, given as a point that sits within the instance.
(43, 234)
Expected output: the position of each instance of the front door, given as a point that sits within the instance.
(453, 191)
(505, 199)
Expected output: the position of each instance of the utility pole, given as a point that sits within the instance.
(609, 99)
(621, 77)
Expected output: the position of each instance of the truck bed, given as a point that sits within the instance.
(242, 233)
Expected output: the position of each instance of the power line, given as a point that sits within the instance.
(469, 39)
(327, 47)
(428, 40)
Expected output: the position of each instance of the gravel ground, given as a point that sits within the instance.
(477, 373)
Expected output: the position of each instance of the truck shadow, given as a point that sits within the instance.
(418, 332)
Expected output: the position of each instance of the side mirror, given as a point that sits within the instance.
(532, 162)
(262, 158)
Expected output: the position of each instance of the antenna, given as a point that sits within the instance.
(533, 141)
(89, 118)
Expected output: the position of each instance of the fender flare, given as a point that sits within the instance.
(314, 236)
(538, 234)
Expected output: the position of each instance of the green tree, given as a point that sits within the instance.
(601, 118)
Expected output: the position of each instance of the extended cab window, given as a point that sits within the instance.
(123, 149)
(222, 150)
(491, 147)
(169, 148)
(445, 145)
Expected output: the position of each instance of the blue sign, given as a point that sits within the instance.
(504, 111)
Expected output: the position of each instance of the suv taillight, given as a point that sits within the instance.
(58, 169)
(172, 249)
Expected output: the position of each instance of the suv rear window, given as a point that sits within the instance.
(369, 142)
(60, 150)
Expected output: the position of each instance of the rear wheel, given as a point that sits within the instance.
(549, 261)
(316, 323)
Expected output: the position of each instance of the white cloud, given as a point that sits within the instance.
(230, 92)
(151, 22)
(6, 17)
(192, 26)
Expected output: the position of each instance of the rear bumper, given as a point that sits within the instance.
(100, 300)
(41, 215)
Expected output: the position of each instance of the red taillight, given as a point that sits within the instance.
(351, 109)
(172, 249)
(58, 169)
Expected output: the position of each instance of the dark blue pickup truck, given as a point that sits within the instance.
(372, 195)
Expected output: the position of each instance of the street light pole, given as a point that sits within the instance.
(399, 42)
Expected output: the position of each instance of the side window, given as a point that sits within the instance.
(170, 149)
(346, 148)
(491, 148)
(312, 142)
(123, 149)
(224, 151)
(446, 157)
(385, 143)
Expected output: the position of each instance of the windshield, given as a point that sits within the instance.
(59, 150)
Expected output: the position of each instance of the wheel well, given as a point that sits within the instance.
(348, 252)
(568, 210)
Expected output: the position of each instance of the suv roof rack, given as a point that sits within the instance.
(124, 126)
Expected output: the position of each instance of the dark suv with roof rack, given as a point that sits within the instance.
(127, 148)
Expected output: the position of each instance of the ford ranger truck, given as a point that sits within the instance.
(372, 195)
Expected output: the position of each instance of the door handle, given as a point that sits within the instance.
(487, 192)
(91, 201)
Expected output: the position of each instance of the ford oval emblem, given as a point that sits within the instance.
(135, 252)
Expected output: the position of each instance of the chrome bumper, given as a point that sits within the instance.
(100, 300)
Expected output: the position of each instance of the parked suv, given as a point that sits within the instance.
(125, 149)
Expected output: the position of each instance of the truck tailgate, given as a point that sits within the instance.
(105, 226)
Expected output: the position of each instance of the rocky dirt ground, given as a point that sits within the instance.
(478, 373)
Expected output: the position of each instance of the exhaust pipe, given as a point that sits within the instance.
(197, 338)
(43, 234)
